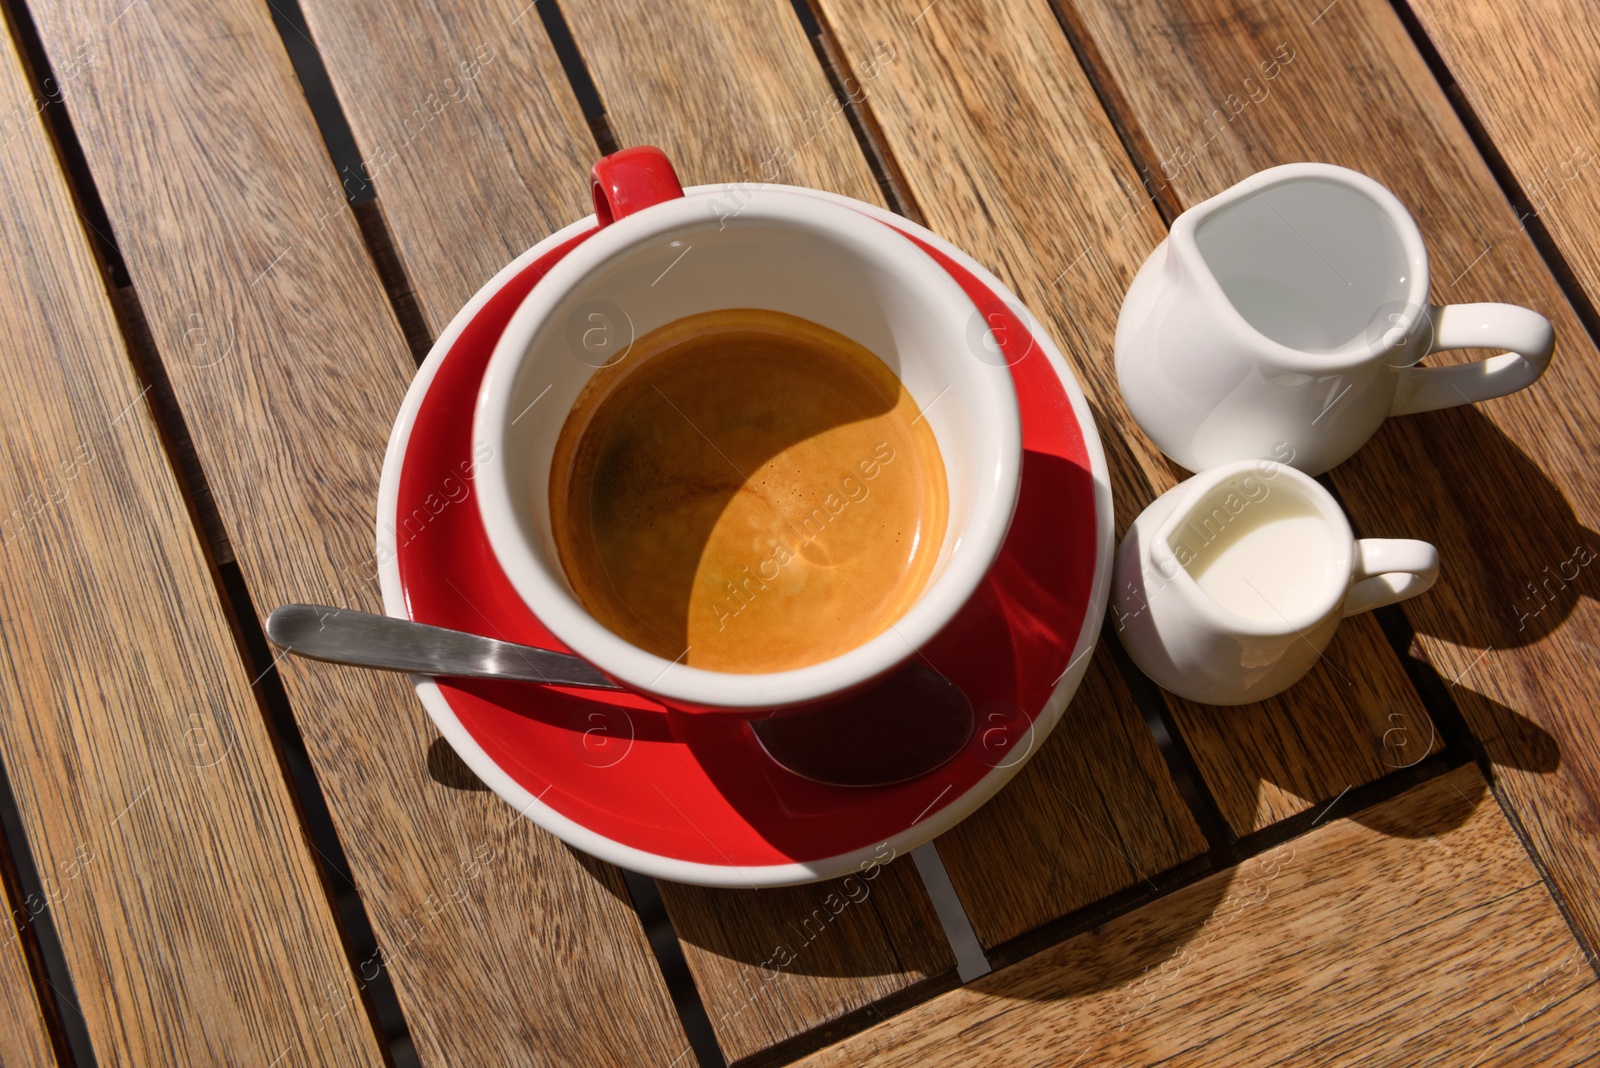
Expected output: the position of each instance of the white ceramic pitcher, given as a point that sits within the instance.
(1282, 318)
(1229, 586)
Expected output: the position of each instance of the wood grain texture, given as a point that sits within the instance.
(736, 92)
(1528, 74)
(1007, 151)
(1438, 945)
(1505, 489)
(24, 1035)
(1093, 813)
(503, 946)
(773, 964)
(1342, 725)
(452, 217)
(172, 860)
(732, 92)
(467, 129)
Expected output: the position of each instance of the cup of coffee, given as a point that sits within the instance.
(748, 458)
(1284, 319)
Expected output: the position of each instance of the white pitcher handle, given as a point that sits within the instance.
(1386, 570)
(1469, 326)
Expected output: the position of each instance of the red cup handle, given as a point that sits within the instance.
(628, 181)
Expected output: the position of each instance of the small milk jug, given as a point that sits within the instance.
(1229, 586)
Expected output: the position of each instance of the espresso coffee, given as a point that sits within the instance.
(747, 491)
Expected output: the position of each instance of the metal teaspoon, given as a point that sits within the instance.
(908, 725)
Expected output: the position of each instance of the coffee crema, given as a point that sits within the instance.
(747, 491)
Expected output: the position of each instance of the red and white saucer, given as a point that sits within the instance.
(693, 798)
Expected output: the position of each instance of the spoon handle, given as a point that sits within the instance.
(344, 636)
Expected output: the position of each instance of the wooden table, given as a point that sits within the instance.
(215, 294)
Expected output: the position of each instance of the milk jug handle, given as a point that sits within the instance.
(1470, 326)
(1386, 570)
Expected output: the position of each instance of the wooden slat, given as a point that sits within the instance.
(502, 945)
(1506, 488)
(736, 91)
(1527, 73)
(1093, 813)
(1420, 935)
(774, 964)
(1342, 726)
(500, 158)
(1005, 147)
(24, 1037)
(452, 234)
(172, 860)
(733, 92)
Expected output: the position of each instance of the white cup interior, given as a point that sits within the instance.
(1309, 262)
(784, 252)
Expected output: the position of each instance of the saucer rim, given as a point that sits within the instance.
(529, 805)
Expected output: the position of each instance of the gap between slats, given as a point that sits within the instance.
(646, 900)
(1510, 186)
(361, 198)
(19, 874)
(1460, 745)
(663, 939)
(356, 932)
(363, 201)
(22, 892)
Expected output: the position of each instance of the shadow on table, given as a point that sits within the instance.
(1515, 559)
(1144, 949)
(1511, 576)
(1515, 563)
(448, 769)
(1176, 938)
